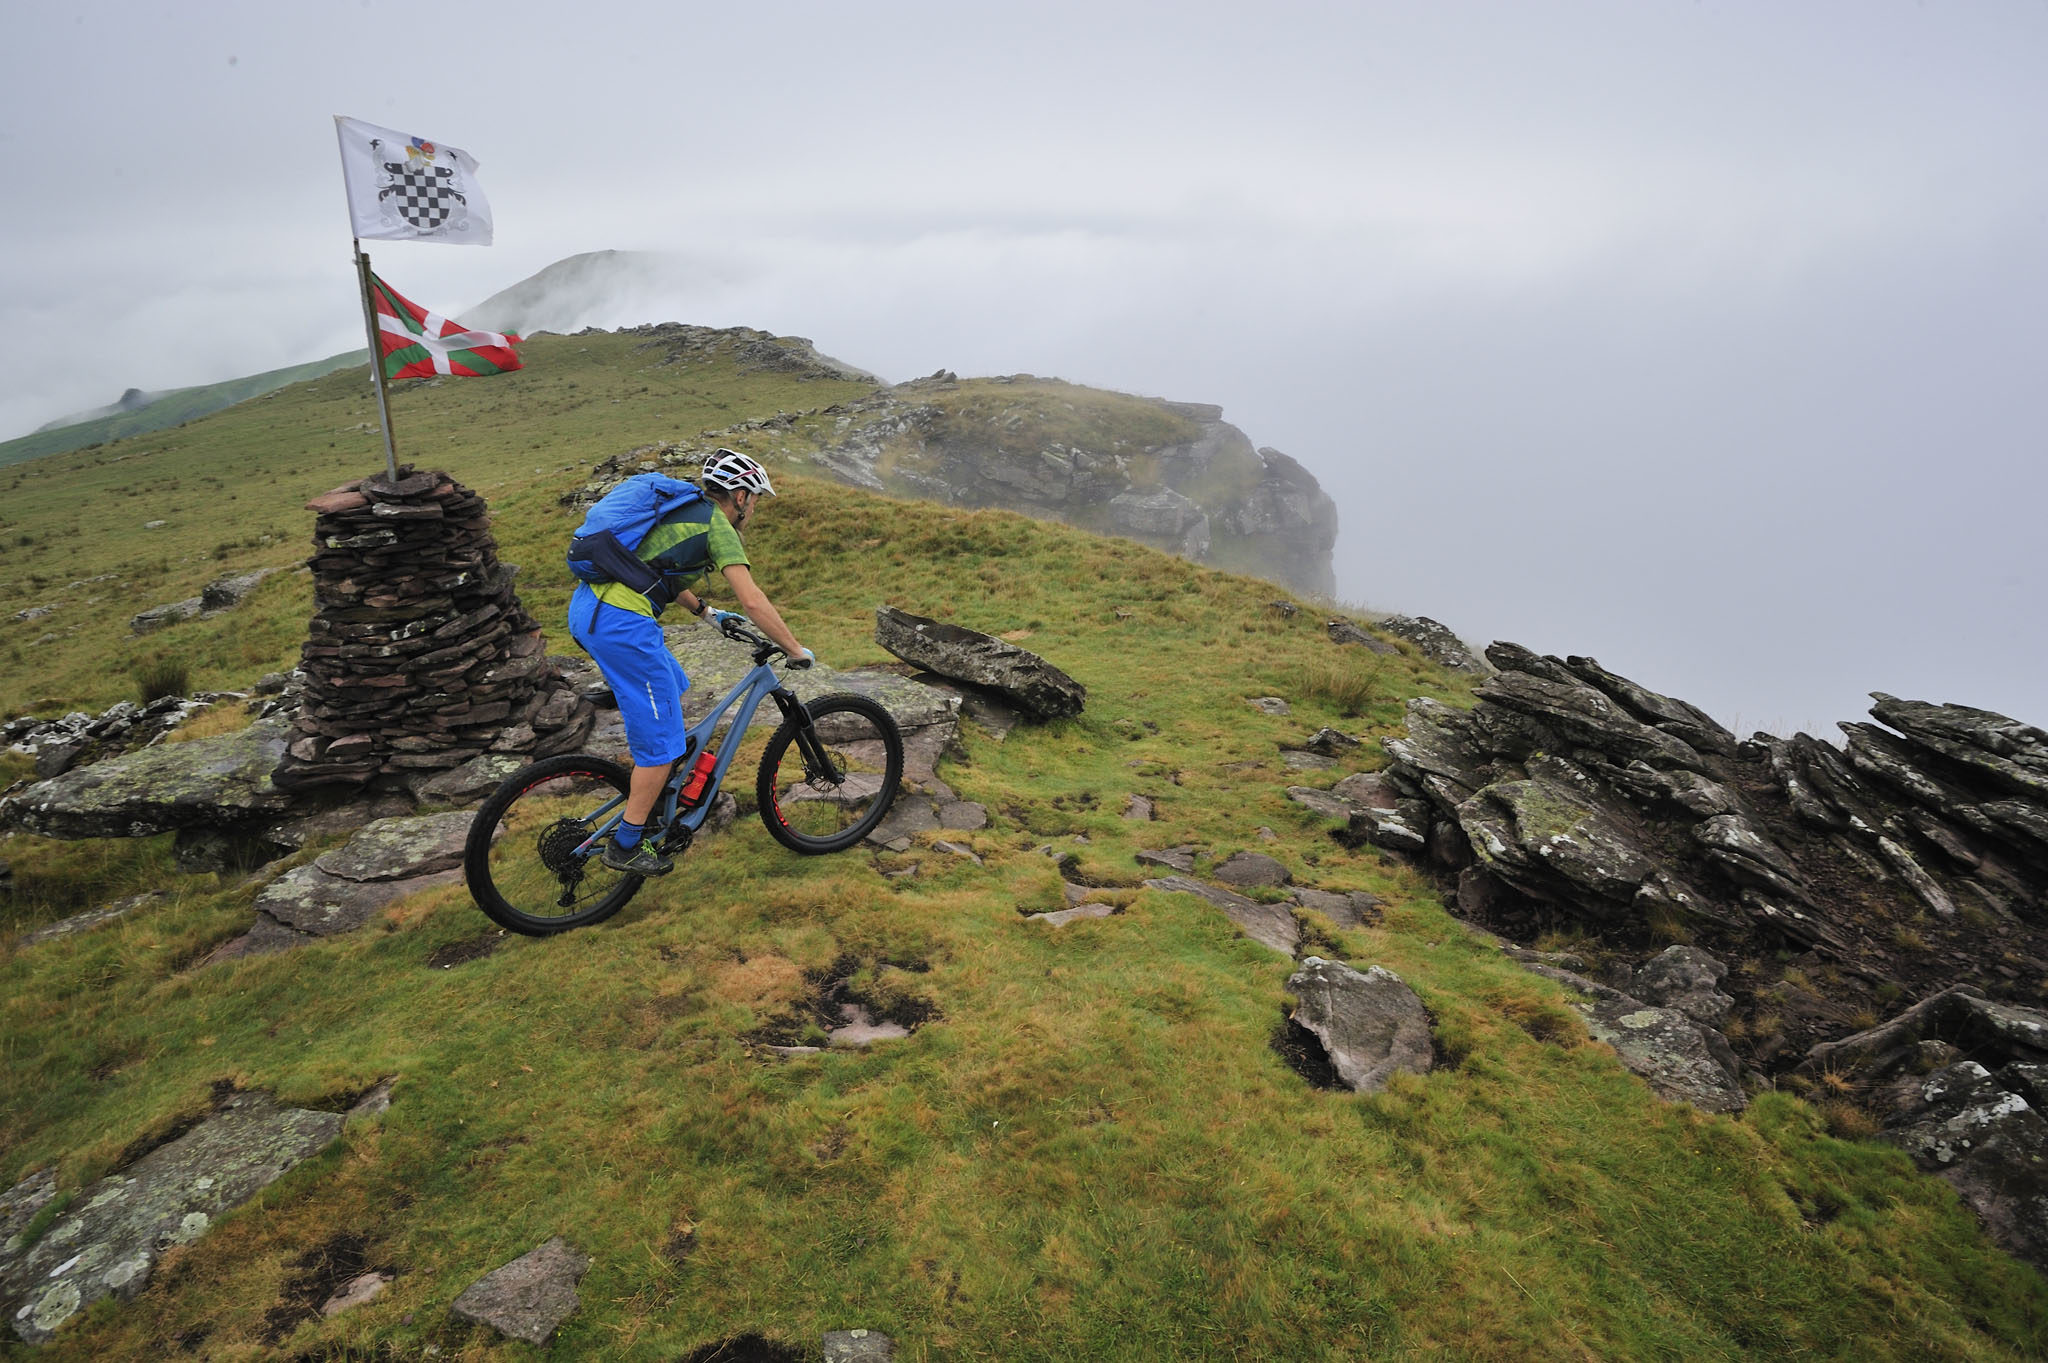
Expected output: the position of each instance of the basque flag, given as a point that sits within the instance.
(418, 343)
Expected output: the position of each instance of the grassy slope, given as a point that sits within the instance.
(1094, 1154)
(174, 408)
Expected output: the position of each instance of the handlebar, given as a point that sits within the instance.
(764, 648)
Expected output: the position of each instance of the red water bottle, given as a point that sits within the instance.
(700, 773)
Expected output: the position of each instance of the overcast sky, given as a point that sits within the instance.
(1709, 339)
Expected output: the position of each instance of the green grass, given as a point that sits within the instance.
(1091, 1152)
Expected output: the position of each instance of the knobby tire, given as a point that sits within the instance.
(526, 823)
(795, 794)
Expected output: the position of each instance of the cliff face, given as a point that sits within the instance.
(1170, 474)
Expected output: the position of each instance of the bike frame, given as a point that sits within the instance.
(751, 689)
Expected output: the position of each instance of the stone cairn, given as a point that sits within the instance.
(420, 657)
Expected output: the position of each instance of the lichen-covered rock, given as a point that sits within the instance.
(1683, 1061)
(1687, 979)
(108, 1240)
(1991, 1144)
(1435, 641)
(1370, 1023)
(400, 848)
(207, 783)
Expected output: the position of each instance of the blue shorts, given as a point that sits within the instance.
(644, 676)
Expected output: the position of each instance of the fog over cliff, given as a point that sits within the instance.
(1704, 339)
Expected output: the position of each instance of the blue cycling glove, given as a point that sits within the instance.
(723, 618)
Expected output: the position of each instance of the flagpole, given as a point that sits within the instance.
(376, 358)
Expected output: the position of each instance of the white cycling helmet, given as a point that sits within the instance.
(732, 471)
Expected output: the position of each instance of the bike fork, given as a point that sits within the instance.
(818, 763)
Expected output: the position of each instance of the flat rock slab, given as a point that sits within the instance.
(1370, 1023)
(1251, 869)
(90, 919)
(1023, 678)
(1320, 802)
(207, 783)
(108, 1241)
(1172, 858)
(909, 816)
(357, 1291)
(472, 781)
(1059, 918)
(19, 1205)
(1270, 925)
(309, 900)
(1345, 908)
(1683, 1061)
(859, 1346)
(399, 849)
(529, 1298)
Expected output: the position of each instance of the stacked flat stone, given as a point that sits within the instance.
(420, 657)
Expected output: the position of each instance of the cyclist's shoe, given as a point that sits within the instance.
(638, 860)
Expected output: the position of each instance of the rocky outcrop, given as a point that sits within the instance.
(1960, 1082)
(419, 657)
(1434, 641)
(1575, 792)
(1173, 475)
(1909, 862)
(1684, 1061)
(1018, 675)
(78, 739)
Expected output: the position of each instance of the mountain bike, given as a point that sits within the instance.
(827, 779)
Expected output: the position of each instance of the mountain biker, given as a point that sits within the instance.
(621, 631)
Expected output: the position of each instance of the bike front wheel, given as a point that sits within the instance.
(521, 861)
(826, 785)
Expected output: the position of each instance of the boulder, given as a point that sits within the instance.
(1370, 1023)
(109, 1240)
(529, 1298)
(1020, 676)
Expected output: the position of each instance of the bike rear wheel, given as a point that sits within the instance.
(824, 787)
(520, 860)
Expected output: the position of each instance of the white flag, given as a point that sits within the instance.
(403, 188)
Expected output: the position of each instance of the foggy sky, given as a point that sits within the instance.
(1707, 339)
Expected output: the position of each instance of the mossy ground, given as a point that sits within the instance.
(1091, 1150)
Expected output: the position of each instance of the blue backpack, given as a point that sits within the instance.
(602, 550)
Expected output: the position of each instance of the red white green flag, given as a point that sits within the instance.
(418, 343)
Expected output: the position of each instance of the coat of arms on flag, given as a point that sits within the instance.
(410, 189)
(416, 343)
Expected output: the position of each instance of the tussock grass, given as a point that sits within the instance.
(1088, 1149)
